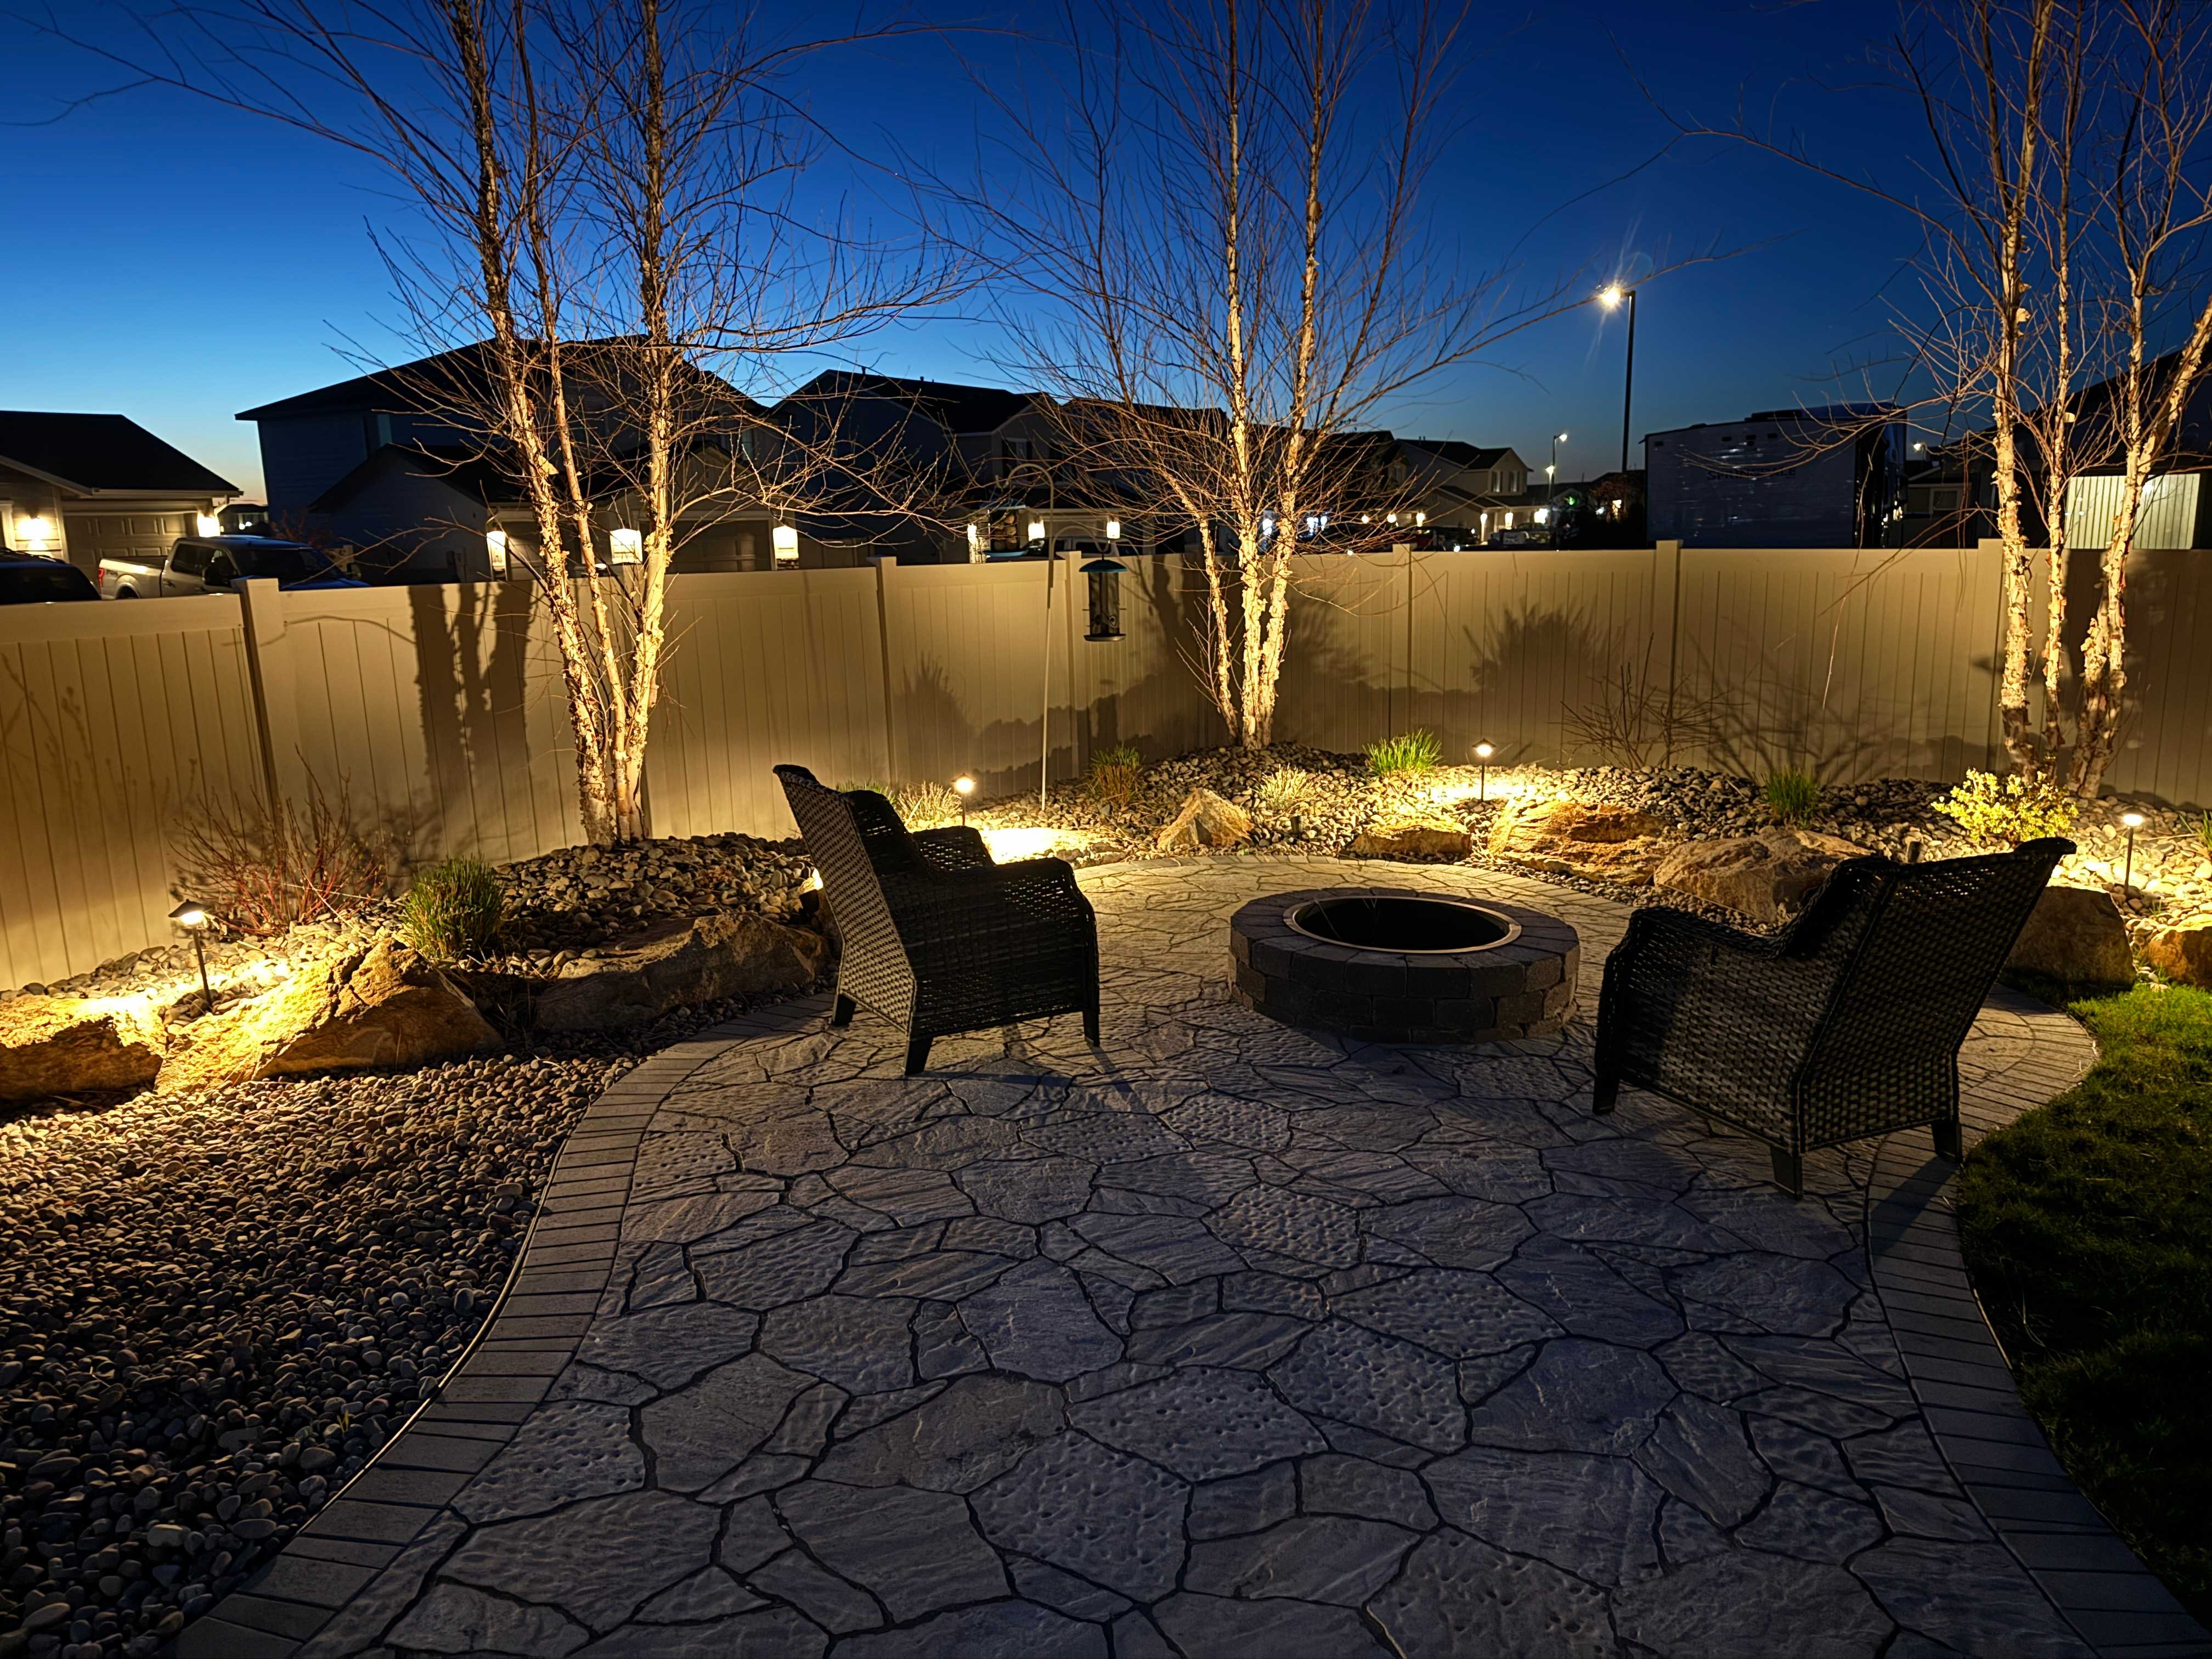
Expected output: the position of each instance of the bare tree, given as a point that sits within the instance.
(1211, 218)
(603, 215)
(2156, 203)
(2063, 216)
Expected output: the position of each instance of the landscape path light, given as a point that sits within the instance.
(1483, 751)
(193, 917)
(2134, 822)
(964, 786)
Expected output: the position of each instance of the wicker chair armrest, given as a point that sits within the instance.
(956, 848)
(1021, 894)
(1679, 987)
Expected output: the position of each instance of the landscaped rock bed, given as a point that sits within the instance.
(215, 1308)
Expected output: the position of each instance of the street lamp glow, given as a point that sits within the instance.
(1559, 437)
(1611, 295)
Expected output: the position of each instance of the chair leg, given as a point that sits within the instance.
(842, 1013)
(1948, 1142)
(1789, 1171)
(1605, 1093)
(1091, 1022)
(917, 1055)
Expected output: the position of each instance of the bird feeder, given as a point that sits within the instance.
(1105, 579)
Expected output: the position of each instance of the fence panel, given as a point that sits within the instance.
(112, 717)
(764, 666)
(438, 709)
(2165, 747)
(1854, 663)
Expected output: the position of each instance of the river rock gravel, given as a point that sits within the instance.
(215, 1308)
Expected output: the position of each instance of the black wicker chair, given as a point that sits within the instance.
(1847, 1024)
(934, 935)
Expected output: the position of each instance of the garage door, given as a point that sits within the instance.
(145, 537)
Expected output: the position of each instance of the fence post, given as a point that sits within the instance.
(883, 562)
(1670, 571)
(274, 728)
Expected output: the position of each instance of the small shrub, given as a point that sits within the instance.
(2203, 830)
(1993, 811)
(1114, 776)
(1417, 750)
(926, 805)
(1285, 791)
(259, 872)
(1792, 796)
(453, 910)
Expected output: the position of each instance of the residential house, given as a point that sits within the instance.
(93, 487)
(398, 465)
(1785, 478)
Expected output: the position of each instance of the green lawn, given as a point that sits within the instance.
(2088, 1225)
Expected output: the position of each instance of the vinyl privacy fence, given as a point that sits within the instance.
(439, 709)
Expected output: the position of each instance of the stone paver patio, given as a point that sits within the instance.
(1228, 1340)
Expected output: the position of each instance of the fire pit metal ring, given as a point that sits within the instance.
(1385, 964)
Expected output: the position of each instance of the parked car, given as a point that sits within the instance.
(209, 564)
(29, 579)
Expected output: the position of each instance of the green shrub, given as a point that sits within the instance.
(1416, 750)
(1114, 776)
(2203, 830)
(1994, 811)
(1792, 796)
(1282, 792)
(453, 910)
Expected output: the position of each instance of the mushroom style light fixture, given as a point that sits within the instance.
(964, 786)
(193, 917)
(2134, 822)
(783, 539)
(1483, 751)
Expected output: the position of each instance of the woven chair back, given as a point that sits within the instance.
(842, 853)
(1924, 943)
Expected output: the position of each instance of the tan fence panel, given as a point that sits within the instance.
(2165, 748)
(764, 666)
(965, 647)
(1143, 688)
(1504, 642)
(112, 717)
(438, 709)
(1344, 679)
(1853, 663)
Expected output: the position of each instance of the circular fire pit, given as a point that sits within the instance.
(1383, 964)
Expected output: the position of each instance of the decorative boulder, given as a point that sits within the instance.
(2182, 953)
(382, 1005)
(1413, 841)
(1573, 837)
(691, 959)
(73, 1045)
(2075, 935)
(1206, 820)
(1766, 877)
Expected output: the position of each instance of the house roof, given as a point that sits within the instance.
(397, 391)
(102, 451)
(1459, 453)
(467, 472)
(958, 409)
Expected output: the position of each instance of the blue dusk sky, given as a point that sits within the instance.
(176, 261)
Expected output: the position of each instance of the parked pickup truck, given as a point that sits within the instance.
(209, 564)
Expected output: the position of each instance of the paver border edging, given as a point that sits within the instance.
(1959, 1374)
(525, 1342)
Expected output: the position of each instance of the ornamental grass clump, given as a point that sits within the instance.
(1993, 811)
(1284, 792)
(453, 911)
(1114, 776)
(925, 805)
(1417, 750)
(1792, 796)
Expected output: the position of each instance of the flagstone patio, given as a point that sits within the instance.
(1229, 1339)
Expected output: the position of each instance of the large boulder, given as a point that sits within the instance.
(2182, 953)
(1579, 838)
(1205, 820)
(368, 1007)
(691, 959)
(73, 1045)
(1413, 841)
(2075, 935)
(1766, 877)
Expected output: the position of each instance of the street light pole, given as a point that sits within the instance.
(1628, 382)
